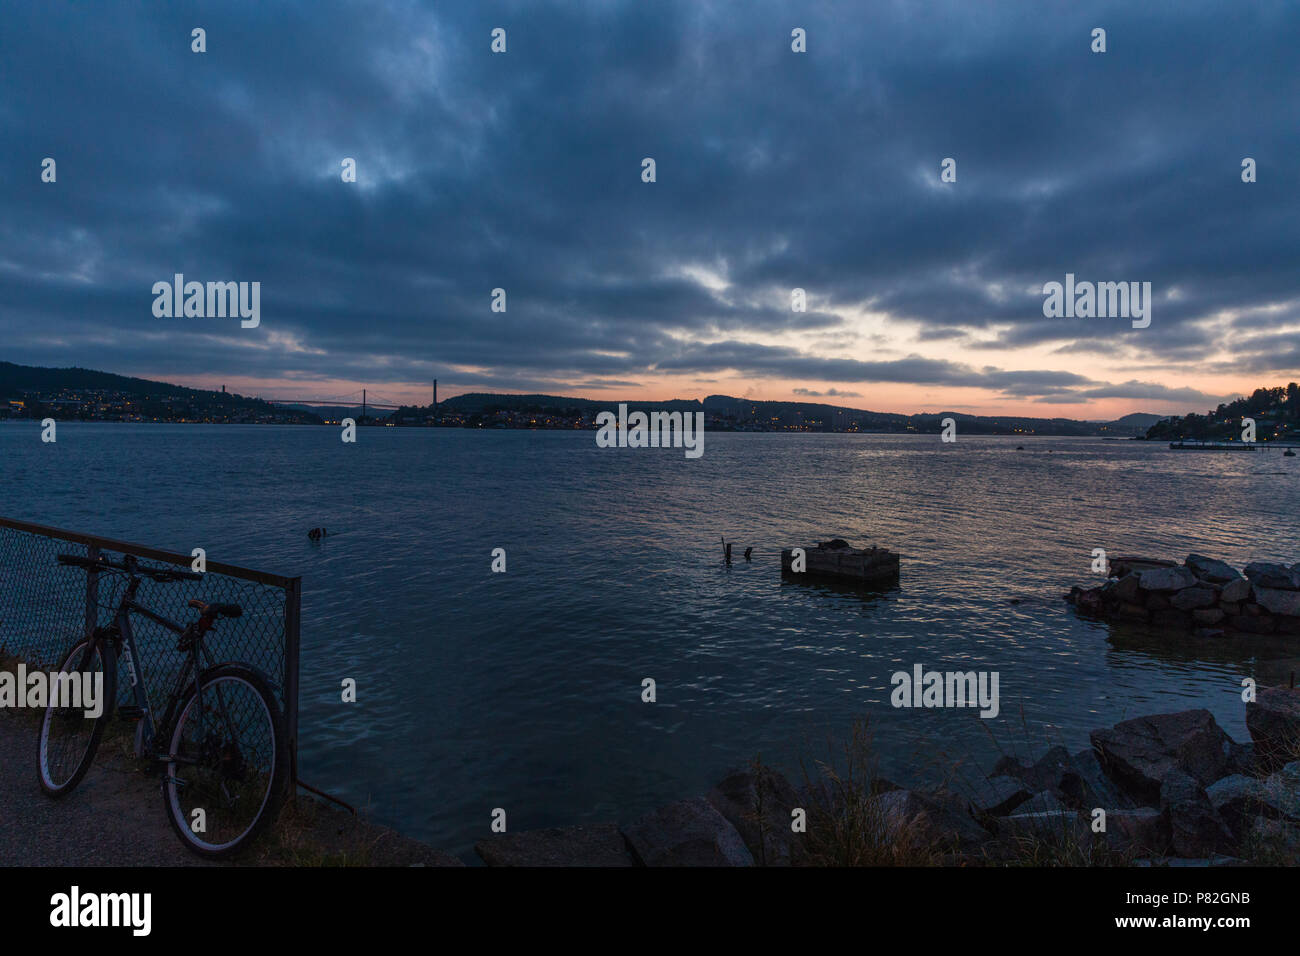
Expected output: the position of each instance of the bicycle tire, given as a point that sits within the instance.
(275, 790)
(44, 772)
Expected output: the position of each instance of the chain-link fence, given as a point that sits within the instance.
(46, 607)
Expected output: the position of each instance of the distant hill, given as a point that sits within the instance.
(1276, 412)
(16, 379)
(1143, 420)
(89, 394)
(749, 413)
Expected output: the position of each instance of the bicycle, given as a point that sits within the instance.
(225, 762)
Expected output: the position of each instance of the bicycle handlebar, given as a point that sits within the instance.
(130, 567)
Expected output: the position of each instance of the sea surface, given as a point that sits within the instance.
(523, 690)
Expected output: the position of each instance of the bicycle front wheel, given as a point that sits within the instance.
(68, 737)
(227, 764)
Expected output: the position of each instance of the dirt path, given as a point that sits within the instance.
(115, 817)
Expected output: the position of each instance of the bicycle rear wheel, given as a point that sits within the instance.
(228, 762)
(68, 738)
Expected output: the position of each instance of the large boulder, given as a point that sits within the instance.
(1239, 799)
(1235, 591)
(1273, 720)
(1265, 574)
(1277, 601)
(1195, 827)
(1085, 785)
(759, 805)
(1045, 801)
(1189, 599)
(1212, 570)
(1166, 579)
(1126, 588)
(599, 845)
(1046, 774)
(1236, 800)
(1131, 564)
(687, 833)
(1138, 754)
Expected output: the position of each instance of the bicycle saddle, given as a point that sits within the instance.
(216, 610)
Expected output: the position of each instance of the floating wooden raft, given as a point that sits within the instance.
(836, 559)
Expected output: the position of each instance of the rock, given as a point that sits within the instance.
(1128, 564)
(999, 795)
(1045, 801)
(1286, 624)
(1235, 591)
(1206, 616)
(1273, 720)
(1155, 601)
(1265, 574)
(1171, 619)
(1143, 830)
(1046, 774)
(1241, 759)
(1133, 612)
(1195, 827)
(1235, 799)
(1278, 836)
(1085, 785)
(1089, 601)
(738, 797)
(598, 845)
(1251, 624)
(1239, 799)
(687, 833)
(1189, 599)
(1138, 754)
(922, 822)
(1209, 632)
(1277, 601)
(1126, 588)
(1166, 579)
(1282, 791)
(1209, 569)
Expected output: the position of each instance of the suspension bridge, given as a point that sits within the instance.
(362, 397)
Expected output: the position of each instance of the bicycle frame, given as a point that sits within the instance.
(122, 634)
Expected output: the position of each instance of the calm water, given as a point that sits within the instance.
(522, 690)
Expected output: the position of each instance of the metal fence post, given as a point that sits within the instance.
(292, 634)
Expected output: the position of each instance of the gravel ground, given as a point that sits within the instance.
(115, 817)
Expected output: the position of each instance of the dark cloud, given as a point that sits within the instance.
(522, 171)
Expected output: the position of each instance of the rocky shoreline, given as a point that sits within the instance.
(1167, 789)
(1202, 596)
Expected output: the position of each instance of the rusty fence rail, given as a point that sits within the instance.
(45, 607)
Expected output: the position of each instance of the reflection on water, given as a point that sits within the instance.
(522, 690)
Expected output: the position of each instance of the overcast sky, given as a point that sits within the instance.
(775, 170)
